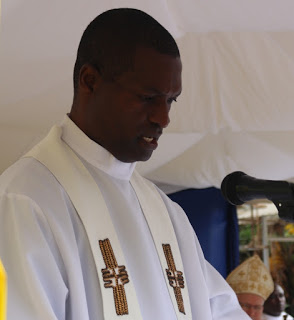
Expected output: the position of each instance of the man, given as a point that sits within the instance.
(82, 235)
(252, 283)
(275, 304)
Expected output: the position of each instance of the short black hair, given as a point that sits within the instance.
(110, 40)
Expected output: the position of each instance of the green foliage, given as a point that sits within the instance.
(245, 233)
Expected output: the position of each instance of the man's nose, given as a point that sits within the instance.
(160, 114)
(251, 313)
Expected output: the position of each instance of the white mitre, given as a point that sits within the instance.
(253, 277)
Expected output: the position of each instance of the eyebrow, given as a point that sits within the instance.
(156, 91)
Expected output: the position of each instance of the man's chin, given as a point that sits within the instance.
(142, 157)
(145, 157)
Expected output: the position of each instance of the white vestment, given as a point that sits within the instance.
(47, 256)
(280, 317)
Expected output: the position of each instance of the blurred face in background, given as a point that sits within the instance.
(276, 302)
(252, 304)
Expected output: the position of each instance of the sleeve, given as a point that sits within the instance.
(211, 296)
(223, 300)
(36, 286)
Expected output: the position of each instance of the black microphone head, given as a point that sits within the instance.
(228, 187)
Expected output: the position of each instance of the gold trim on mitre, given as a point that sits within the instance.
(252, 276)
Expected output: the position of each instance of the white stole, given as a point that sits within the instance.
(118, 293)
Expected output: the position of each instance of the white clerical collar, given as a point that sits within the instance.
(93, 152)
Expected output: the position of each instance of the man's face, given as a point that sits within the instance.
(126, 116)
(251, 304)
(276, 302)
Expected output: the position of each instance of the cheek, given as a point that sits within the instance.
(134, 113)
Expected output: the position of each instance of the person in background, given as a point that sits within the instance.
(275, 304)
(83, 236)
(252, 284)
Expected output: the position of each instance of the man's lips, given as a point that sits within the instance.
(151, 141)
(151, 135)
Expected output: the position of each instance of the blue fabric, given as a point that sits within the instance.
(216, 225)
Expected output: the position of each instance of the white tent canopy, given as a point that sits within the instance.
(236, 111)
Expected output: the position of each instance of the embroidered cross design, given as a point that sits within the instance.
(115, 277)
(175, 278)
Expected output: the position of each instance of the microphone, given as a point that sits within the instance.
(238, 188)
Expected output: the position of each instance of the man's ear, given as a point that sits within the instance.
(89, 77)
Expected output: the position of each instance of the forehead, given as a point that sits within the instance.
(250, 298)
(155, 71)
(278, 290)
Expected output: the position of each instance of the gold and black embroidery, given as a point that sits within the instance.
(175, 278)
(114, 277)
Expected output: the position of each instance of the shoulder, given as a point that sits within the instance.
(25, 177)
(177, 215)
(176, 212)
(28, 187)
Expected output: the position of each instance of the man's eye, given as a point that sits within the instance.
(147, 98)
(171, 100)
